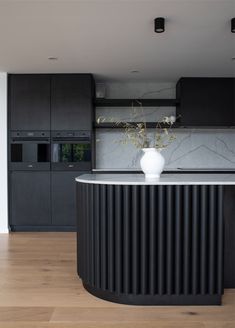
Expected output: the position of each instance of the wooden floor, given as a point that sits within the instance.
(39, 288)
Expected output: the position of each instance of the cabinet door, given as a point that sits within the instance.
(206, 101)
(30, 199)
(72, 102)
(29, 102)
(64, 198)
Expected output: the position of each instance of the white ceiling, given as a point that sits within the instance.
(110, 38)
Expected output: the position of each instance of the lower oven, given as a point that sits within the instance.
(71, 150)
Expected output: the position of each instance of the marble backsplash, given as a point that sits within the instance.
(192, 148)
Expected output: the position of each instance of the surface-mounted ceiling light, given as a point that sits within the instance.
(159, 24)
(233, 25)
(52, 58)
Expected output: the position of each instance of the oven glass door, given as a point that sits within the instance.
(74, 154)
(30, 156)
(30, 152)
(71, 152)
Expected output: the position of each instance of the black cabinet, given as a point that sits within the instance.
(30, 199)
(206, 101)
(29, 101)
(72, 101)
(63, 188)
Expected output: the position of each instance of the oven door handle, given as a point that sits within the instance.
(73, 141)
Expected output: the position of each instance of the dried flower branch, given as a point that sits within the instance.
(137, 133)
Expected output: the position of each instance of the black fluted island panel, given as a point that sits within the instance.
(151, 244)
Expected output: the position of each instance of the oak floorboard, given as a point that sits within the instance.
(39, 288)
(19, 313)
(158, 324)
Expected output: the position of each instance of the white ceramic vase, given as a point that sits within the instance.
(152, 163)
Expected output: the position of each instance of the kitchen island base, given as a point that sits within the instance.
(154, 299)
(152, 244)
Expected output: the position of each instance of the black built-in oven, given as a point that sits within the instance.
(71, 150)
(30, 150)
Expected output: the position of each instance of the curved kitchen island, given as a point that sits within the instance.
(156, 242)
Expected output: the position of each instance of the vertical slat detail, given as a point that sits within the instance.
(126, 239)
(212, 240)
(169, 235)
(135, 240)
(97, 235)
(79, 229)
(161, 255)
(152, 241)
(82, 233)
(187, 240)
(220, 246)
(91, 237)
(111, 238)
(203, 254)
(103, 237)
(118, 240)
(195, 239)
(87, 240)
(143, 240)
(178, 240)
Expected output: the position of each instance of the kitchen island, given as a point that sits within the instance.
(152, 242)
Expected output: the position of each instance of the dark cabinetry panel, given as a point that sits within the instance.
(29, 101)
(206, 101)
(64, 198)
(229, 247)
(72, 102)
(42, 201)
(30, 198)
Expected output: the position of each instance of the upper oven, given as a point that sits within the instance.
(71, 150)
(30, 150)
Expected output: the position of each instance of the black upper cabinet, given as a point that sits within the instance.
(72, 101)
(29, 101)
(57, 102)
(206, 101)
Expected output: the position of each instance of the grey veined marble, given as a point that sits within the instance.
(191, 149)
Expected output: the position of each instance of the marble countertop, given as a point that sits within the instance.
(178, 169)
(168, 179)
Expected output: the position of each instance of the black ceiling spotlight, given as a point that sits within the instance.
(233, 25)
(159, 24)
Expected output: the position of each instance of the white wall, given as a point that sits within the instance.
(3, 154)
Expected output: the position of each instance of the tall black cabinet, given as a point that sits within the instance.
(42, 198)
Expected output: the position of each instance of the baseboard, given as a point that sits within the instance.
(14, 228)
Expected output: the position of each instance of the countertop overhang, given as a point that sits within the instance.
(168, 179)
